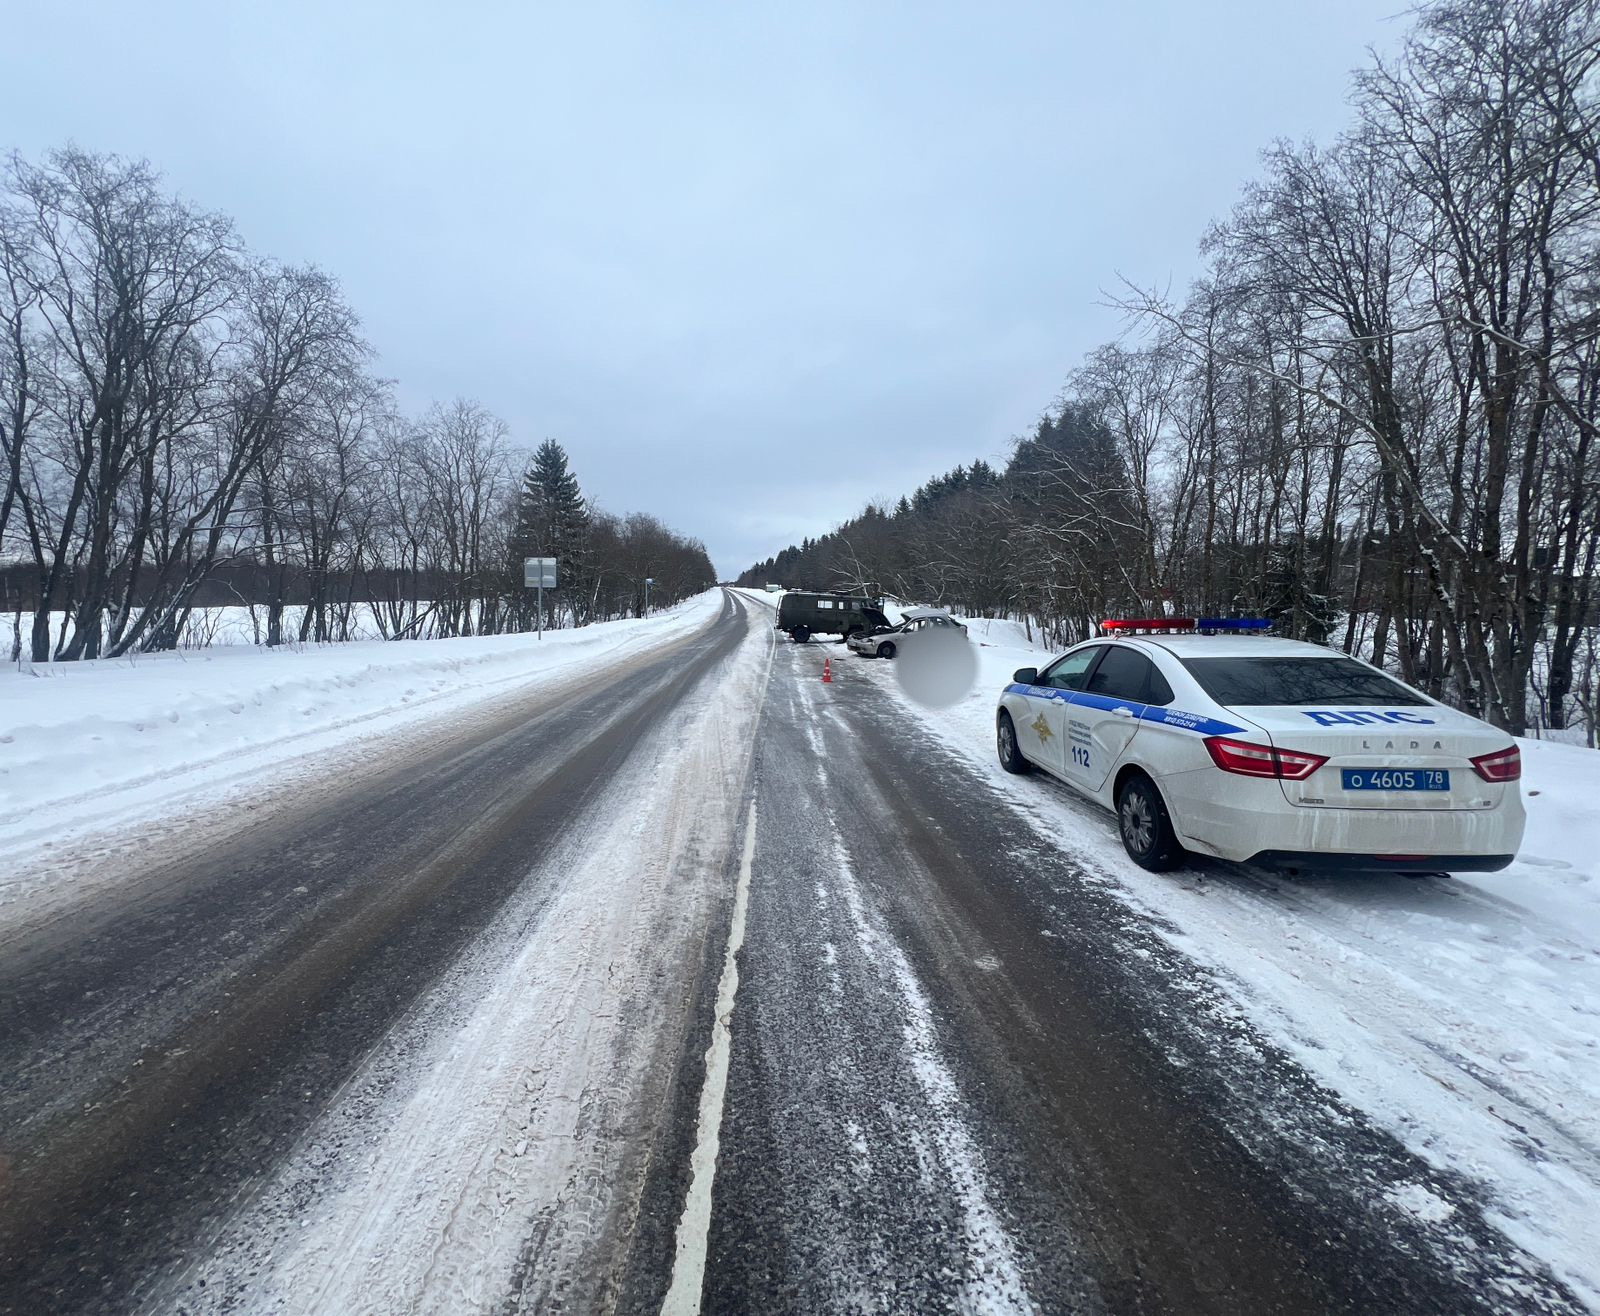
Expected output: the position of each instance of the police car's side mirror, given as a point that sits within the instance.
(1025, 675)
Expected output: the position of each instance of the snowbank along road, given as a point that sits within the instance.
(684, 982)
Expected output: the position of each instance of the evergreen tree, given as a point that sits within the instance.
(553, 516)
(1294, 595)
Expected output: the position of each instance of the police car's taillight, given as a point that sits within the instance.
(1502, 765)
(1247, 760)
(1297, 765)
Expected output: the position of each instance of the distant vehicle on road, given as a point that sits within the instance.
(802, 615)
(1264, 750)
(773, 589)
(885, 641)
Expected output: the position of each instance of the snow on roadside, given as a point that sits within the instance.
(1462, 1015)
(103, 746)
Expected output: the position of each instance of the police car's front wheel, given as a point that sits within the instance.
(1005, 740)
(1146, 828)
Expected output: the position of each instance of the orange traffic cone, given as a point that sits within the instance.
(827, 671)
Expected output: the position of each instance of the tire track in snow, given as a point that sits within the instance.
(996, 1284)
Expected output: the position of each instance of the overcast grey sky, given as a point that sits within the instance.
(751, 264)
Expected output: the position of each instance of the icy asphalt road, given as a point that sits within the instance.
(403, 1043)
(965, 1076)
(437, 1042)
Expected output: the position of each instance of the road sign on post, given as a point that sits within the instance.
(648, 581)
(539, 573)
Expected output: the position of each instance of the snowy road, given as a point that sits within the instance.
(407, 1042)
(434, 1037)
(975, 1079)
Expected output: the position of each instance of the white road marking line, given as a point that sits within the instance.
(694, 1226)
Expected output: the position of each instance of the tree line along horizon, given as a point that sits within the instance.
(186, 425)
(1373, 417)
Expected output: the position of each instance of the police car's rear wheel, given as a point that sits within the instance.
(1005, 739)
(1146, 829)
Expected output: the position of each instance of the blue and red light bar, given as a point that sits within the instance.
(1113, 625)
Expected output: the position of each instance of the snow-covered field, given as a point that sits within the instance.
(1462, 1014)
(210, 627)
(99, 746)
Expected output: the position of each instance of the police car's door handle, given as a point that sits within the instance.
(1123, 712)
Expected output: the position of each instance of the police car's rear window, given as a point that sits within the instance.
(1250, 682)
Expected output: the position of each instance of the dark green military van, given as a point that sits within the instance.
(803, 615)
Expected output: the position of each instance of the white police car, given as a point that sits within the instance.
(1258, 749)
